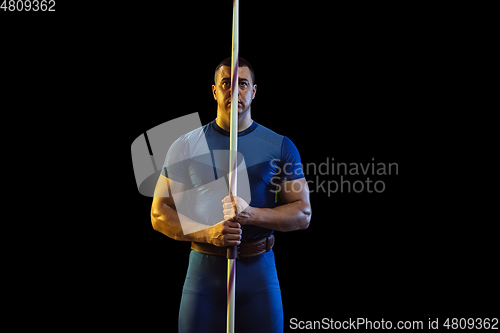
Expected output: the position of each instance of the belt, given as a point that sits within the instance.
(245, 249)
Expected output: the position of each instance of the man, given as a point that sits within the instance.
(190, 174)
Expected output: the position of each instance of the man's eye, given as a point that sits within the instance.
(244, 84)
(225, 85)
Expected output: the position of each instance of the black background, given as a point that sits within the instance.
(350, 83)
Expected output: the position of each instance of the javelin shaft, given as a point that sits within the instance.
(233, 148)
(233, 131)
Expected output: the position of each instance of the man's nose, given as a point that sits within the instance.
(231, 92)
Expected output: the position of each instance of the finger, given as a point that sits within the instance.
(232, 243)
(233, 231)
(227, 206)
(226, 200)
(232, 224)
(231, 240)
(232, 237)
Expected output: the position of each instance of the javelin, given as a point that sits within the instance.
(233, 148)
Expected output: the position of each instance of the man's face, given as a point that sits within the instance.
(222, 90)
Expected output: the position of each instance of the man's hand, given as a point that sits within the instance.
(225, 233)
(236, 209)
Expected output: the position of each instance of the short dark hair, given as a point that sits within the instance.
(241, 63)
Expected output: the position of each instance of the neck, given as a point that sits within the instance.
(244, 120)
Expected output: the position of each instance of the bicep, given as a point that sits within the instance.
(295, 190)
(165, 187)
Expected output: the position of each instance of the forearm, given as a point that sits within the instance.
(292, 216)
(166, 220)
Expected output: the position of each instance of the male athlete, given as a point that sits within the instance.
(191, 169)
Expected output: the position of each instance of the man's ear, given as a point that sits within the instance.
(254, 91)
(214, 91)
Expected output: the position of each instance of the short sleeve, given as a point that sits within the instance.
(291, 166)
(175, 167)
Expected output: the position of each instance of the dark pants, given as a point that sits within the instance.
(258, 306)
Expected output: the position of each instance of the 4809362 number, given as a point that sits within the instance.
(471, 323)
(28, 5)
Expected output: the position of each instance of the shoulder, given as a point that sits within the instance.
(194, 135)
(190, 143)
(263, 133)
(282, 142)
